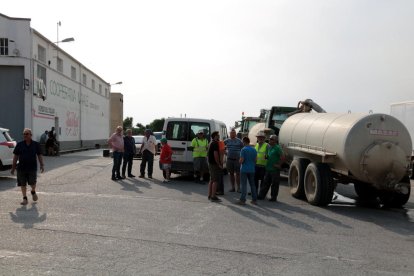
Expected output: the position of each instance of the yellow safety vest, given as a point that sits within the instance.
(261, 154)
(199, 147)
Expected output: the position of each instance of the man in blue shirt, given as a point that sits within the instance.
(26, 152)
(248, 156)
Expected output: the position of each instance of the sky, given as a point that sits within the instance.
(219, 58)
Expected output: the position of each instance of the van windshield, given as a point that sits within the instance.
(185, 131)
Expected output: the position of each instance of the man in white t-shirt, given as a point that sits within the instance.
(148, 150)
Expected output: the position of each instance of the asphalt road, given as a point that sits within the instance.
(86, 224)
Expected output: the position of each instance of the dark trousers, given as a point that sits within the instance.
(259, 176)
(147, 156)
(116, 168)
(128, 160)
(271, 180)
(220, 184)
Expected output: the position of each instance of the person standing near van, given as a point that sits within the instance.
(200, 146)
(148, 150)
(233, 146)
(215, 166)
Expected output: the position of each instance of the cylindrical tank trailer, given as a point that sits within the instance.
(372, 151)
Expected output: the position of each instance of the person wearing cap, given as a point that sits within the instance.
(148, 150)
(165, 159)
(199, 145)
(260, 168)
(272, 175)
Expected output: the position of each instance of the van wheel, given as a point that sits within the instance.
(319, 185)
(296, 176)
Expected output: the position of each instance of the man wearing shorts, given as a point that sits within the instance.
(26, 152)
(233, 147)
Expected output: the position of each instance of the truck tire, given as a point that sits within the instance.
(296, 176)
(318, 184)
(394, 199)
(365, 191)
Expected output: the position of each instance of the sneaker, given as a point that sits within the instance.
(241, 202)
(131, 175)
(215, 199)
(232, 190)
(253, 202)
(34, 196)
(24, 202)
(141, 176)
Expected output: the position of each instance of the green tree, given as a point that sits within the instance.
(127, 122)
(157, 124)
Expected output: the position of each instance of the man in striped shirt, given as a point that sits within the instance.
(233, 147)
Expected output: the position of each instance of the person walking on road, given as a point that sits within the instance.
(215, 166)
(272, 175)
(148, 150)
(200, 146)
(26, 152)
(129, 152)
(233, 147)
(116, 142)
(248, 157)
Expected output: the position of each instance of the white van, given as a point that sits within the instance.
(181, 131)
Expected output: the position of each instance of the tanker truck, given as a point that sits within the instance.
(372, 151)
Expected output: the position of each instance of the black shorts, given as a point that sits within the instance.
(24, 178)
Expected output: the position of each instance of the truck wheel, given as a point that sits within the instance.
(365, 191)
(296, 176)
(394, 199)
(319, 185)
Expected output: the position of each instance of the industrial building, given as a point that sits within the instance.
(42, 86)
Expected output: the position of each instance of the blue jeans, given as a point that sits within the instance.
(116, 168)
(243, 185)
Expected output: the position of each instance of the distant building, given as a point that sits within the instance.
(42, 86)
(117, 111)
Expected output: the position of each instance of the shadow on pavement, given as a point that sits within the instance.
(27, 217)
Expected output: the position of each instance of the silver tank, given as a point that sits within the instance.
(374, 148)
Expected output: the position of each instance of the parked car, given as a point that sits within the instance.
(138, 143)
(158, 136)
(7, 145)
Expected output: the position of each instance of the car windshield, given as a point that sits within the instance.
(158, 135)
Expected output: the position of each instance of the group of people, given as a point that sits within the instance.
(259, 165)
(49, 141)
(124, 150)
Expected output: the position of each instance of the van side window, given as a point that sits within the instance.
(177, 131)
(196, 127)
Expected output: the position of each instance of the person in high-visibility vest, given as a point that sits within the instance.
(260, 168)
(200, 146)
